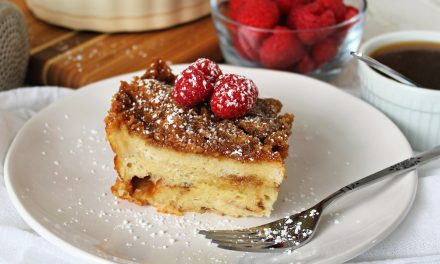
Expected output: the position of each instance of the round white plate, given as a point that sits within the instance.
(59, 170)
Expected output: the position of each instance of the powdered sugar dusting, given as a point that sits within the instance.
(209, 68)
(191, 87)
(234, 96)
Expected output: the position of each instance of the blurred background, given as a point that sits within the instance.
(62, 56)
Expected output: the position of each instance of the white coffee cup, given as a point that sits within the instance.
(415, 110)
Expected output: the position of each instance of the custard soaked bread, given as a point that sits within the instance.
(181, 158)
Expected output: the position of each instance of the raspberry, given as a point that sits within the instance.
(324, 51)
(306, 65)
(233, 97)
(244, 49)
(255, 13)
(311, 16)
(349, 14)
(281, 50)
(337, 6)
(208, 68)
(286, 5)
(339, 36)
(247, 42)
(191, 87)
(259, 13)
(234, 6)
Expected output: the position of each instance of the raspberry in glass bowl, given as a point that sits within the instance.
(311, 37)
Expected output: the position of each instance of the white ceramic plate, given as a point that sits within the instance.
(59, 170)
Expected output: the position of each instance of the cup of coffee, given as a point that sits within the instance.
(415, 110)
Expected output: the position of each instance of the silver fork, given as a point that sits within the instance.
(295, 231)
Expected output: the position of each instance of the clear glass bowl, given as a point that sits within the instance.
(241, 44)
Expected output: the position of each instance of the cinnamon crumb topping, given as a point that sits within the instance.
(160, 71)
(146, 107)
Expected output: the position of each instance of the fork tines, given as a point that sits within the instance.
(241, 240)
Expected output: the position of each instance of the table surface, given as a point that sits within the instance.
(69, 58)
(64, 57)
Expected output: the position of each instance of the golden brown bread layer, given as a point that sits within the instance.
(231, 196)
(136, 157)
(176, 182)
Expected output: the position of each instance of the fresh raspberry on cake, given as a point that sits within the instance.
(324, 51)
(313, 19)
(281, 50)
(306, 65)
(259, 13)
(208, 68)
(233, 97)
(192, 87)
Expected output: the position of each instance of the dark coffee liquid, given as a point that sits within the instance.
(419, 61)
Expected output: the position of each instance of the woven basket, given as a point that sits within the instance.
(14, 46)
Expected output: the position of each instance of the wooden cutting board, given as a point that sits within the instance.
(73, 59)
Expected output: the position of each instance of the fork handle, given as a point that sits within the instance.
(393, 170)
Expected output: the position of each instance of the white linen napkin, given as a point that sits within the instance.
(416, 240)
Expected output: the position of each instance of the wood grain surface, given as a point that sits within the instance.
(63, 57)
